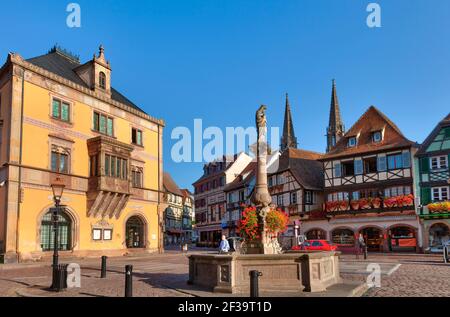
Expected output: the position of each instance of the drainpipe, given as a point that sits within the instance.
(20, 165)
(160, 249)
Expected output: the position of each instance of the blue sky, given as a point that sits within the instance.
(220, 59)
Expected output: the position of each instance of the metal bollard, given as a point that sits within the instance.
(254, 283)
(365, 252)
(446, 256)
(103, 272)
(128, 281)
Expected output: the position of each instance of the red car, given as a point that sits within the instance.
(316, 245)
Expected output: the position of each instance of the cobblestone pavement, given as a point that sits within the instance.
(157, 275)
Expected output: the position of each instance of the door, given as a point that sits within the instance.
(135, 233)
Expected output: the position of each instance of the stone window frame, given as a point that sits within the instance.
(62, 146)
(62, 99)
(140, 166)
(102, 80)
(142, 136)
(107, 116)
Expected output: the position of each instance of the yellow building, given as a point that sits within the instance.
(61, 118)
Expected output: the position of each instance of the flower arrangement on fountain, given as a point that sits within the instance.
(439, 207)
(249, 228)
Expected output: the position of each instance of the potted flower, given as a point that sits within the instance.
(390, 202)
(343, 205)
(276, 222)
(364, 203)
(354, 204)
(376, 202)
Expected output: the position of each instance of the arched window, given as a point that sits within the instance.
(102, 80)
(343, 237)
(316, 234)
(64, 232)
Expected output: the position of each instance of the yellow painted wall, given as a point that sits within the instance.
(36, 153)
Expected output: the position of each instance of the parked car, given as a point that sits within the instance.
(315, 245)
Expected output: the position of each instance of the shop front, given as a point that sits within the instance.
(402, 239)
(373, 237)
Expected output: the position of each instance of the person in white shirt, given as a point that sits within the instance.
(224, 246)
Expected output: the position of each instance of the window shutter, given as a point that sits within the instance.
(425, 195)
(425, 164)
(358, 167)
(406, 159)
(381, 163)
(337, 170)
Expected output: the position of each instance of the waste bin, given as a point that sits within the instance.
(60, 279)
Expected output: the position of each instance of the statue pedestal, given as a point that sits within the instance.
(289, 272)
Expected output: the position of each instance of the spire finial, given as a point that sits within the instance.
(101, 50)
(288, 139)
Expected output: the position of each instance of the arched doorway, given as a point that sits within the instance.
(344, 239)
(316, 234)
(402, 239)
(373, 237)
(439, 233)
(64, 232)
(135, 233)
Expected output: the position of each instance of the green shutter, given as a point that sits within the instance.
(56, 105)
(425, 164)
(425, 195)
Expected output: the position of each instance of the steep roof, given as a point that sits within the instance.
(244, 178)
(288, 139)
(424, 146)
(62, 65)
(170, 185)
(372, 120)
(304, 166)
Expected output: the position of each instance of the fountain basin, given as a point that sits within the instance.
(294, 271)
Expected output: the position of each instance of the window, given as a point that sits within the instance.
(60, 162)
(377, 136)
(293, 198)
(280, 200)
(343, 237)
(102, 80)
(352, 141)
(308, 197)
(96, 234)
(136, 136)
(241, 195)
(64, 232)
(337, 170)
(93, 165)
(116, 167)
(103, 124)
(370, 165)
(107, 234)
(440, 193)
(439, 162)
(60, 110)
(348, 168)
(136, 177)
(397, 191)
(395, 161)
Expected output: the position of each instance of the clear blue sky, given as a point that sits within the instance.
(219, 59)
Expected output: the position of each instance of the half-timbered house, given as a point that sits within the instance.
(368, 188)
(433, 183)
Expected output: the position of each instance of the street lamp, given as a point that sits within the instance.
(58, 189)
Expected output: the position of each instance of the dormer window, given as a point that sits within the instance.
(352, 141)
(102, 80)
(377, 137)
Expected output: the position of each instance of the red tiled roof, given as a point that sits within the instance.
(372, 120)
(170, 185)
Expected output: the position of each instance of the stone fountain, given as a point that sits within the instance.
(299, 271)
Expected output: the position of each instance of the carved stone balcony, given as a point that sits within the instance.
(108, 195)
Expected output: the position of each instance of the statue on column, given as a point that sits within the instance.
(261, 197)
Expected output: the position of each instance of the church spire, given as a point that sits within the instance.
(288, 139)
(335, 128)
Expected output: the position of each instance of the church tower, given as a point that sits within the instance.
(288, 139)
(335, 128)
